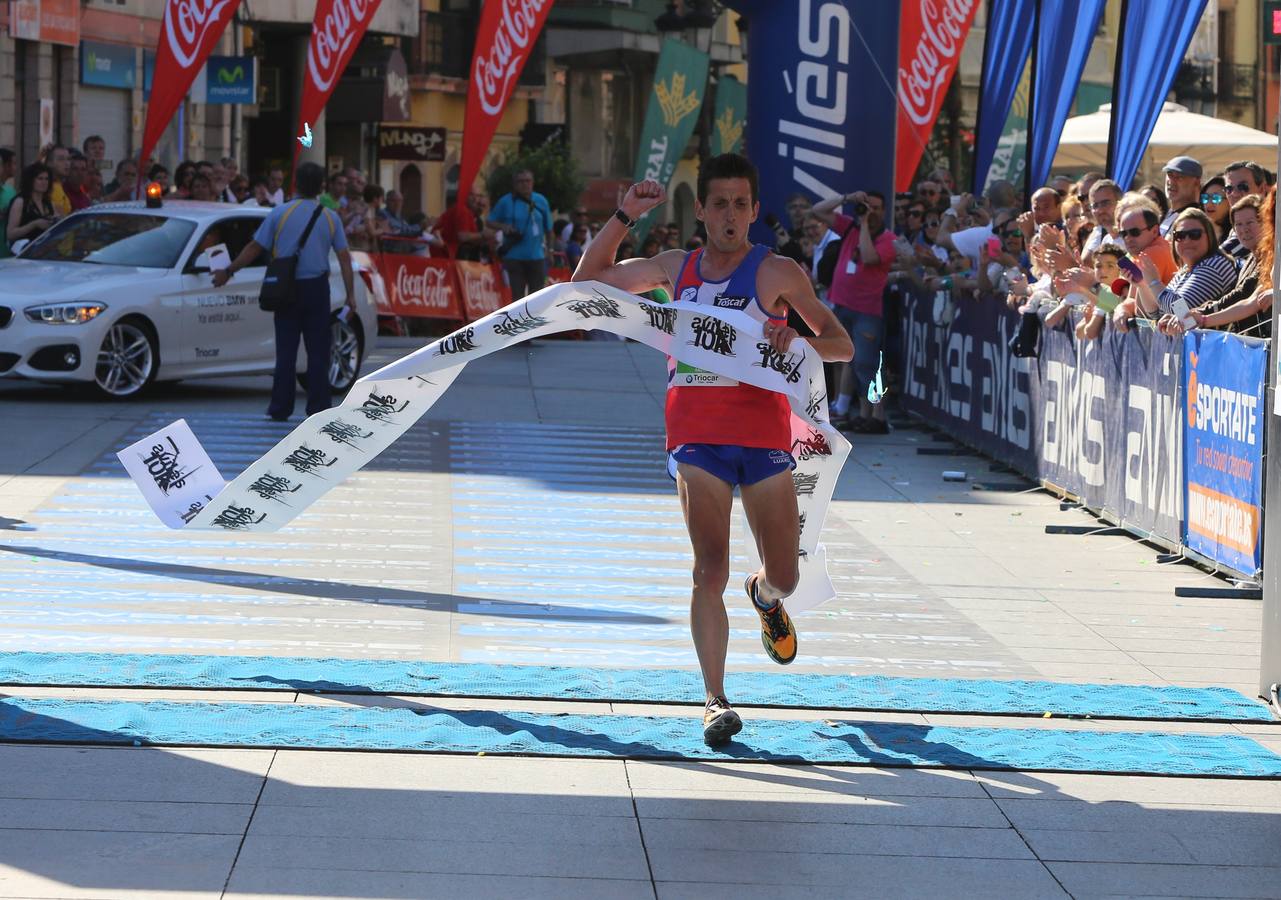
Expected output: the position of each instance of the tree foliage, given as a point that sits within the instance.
(556, 174)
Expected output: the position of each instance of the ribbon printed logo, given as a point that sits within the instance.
(393, 398)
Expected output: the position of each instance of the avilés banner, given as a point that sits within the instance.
(819, 112)
(504, 40)
(190, 30)
(336, 32)
(730, 117)
(930, 40)
(680, 86)
(330, 446)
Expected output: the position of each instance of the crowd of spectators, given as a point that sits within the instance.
(1084, 254)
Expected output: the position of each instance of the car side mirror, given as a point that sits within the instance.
(200, 263)
(18, 246)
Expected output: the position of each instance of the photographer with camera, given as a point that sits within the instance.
(858, 284)
(526, 222)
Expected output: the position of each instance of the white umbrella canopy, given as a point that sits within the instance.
(1212, 142)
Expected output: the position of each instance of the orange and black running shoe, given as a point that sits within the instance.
(777, 634)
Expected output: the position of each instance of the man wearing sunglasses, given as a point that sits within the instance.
(1243, 178)
(1103, 198)
(1139, 228)
(1182, 188)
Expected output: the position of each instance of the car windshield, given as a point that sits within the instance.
(114, 239)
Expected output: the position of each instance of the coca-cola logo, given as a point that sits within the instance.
(332, 37)
(188, 23)
(428, 288)
(930, 66)
(494, 72)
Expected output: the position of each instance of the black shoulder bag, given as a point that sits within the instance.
(277, 292)
(831, 253)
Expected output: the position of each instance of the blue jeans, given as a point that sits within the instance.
(867, 332)
(308, 319)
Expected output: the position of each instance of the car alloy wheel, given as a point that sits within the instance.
(344, 357)
(126, 360)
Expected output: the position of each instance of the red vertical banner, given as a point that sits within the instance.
(505, 38)
(931, 35)
(336, 32)
(190, 30)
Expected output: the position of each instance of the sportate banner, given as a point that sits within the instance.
(506, 36)
(680, 86)
(329, 446)
(190, 30)
(931, 36)
(335, 34)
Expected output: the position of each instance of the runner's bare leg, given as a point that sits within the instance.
(706, 502)
(771, 511)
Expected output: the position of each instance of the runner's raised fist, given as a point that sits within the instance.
(642, 197)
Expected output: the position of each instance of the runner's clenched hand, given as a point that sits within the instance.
(642, 197)
(780, 337)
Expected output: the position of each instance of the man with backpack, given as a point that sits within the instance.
(306, 230)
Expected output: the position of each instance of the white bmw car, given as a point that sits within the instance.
(119, 296)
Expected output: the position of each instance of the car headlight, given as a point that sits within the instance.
(64, 313)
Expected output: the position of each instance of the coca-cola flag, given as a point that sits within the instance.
(418, 286)
(504, 41)
(931, 35)
(335, 34)
(190, 30)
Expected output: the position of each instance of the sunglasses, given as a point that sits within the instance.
(1241, 187)
(931, 223)
(931, 192)
(1135, 232)
(1103, 204)
(915, 213)
(1010, 232)
(1212, 198)
(1191, 234)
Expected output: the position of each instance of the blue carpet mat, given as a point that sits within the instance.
(288, 725)
(435, 679)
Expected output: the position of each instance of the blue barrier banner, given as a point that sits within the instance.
(1006, 47)
(1154, 37)
(1065, 31)
(1100, 419)
(821, 98)
(1223, 460)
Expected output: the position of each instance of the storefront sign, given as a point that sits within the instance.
(226, 79)
(52, 21)
(108, 65)
(396, 89)
(411, 144)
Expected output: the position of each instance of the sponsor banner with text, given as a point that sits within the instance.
(505, 38)
(1100, 419)
(1223, 428)
(483, 288)
(419, 286)
(189, 33)
(680, 85)
(931, 36)
(336, 32)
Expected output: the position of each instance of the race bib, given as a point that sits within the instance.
(690, 376)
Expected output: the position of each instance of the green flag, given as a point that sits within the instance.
(680, 85)
(731, 115)
(1010, 159)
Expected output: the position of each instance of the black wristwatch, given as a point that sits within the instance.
(622, 217)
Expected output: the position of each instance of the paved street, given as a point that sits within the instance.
(529, 520)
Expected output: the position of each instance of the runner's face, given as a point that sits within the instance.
(728, 212)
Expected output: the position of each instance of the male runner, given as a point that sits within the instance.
(722, 434)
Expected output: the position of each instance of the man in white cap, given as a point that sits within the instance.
(1182, 188)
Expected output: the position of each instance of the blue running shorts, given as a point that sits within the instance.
(731, 463)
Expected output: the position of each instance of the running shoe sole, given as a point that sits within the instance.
(722, 728)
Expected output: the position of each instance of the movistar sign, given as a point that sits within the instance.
(227, 79)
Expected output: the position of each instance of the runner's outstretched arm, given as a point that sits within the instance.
(633, 275)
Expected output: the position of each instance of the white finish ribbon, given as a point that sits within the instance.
(323, 450)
